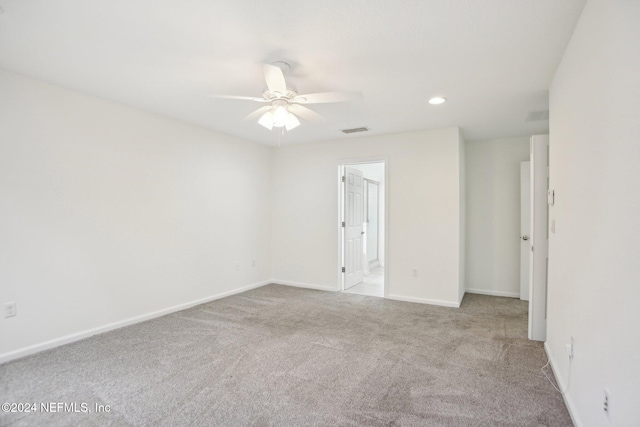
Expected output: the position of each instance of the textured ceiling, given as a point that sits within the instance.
(493, 59)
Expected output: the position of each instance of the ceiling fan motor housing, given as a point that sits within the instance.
(292, 92)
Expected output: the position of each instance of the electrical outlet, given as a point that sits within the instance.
(606, 404)
(573, 348)
(237, 266)
(569, 350)
(10, 309)
(415, 272)
(253, 263)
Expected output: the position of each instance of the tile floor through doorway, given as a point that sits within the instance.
(372, 284)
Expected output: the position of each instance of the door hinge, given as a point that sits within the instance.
(343, 224)
(531, 248)
(344, 179)
(344, 270)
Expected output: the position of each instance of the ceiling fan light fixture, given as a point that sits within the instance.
(280, 115)
(292, 122)
(266, 120)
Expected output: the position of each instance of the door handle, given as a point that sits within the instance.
(525, 237)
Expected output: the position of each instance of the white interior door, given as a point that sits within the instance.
(353, 234)
(539, 238)
(525, 228)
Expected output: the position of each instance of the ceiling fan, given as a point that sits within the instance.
(285, 104)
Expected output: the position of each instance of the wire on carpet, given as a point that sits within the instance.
(551, 382)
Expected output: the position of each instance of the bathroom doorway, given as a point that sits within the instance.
(363, 228)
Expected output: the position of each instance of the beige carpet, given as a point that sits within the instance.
(283, 356)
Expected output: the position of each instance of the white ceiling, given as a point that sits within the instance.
(493, 59)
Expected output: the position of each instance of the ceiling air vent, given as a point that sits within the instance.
(354, 130)
(536, 116)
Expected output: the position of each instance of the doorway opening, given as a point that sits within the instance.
(362, 227)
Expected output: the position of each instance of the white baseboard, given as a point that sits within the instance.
(56, 342)
(494, 293)
(443, 303)
(561, 384)
(303, 285)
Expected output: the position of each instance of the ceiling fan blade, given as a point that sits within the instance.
(259, 112)
(275, 79)
(305, 113)
(242, 98)
(326, 97)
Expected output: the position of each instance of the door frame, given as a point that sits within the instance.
(341, 164)
(539, 237)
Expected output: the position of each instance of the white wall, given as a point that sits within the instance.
(594, 271)
(376, 172)
(422, 192)
(108, 213)
(493, 215)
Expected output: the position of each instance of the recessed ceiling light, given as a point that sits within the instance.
(436, 100)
